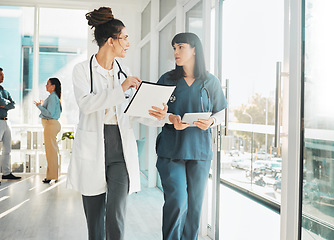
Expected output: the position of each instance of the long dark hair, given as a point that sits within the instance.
(199, 68)
(57, 84)
(105, 25)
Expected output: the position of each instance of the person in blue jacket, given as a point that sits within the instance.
(184, 151)
(50, 113)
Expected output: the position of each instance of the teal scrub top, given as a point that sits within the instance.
(191, 143)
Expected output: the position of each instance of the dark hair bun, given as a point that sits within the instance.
(99, 16)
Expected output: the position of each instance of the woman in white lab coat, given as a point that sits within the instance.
(104, 165)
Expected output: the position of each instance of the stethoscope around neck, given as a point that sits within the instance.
(120, 71)
(173, 98)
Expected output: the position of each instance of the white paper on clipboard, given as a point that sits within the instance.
(147, 95)
(192, 117)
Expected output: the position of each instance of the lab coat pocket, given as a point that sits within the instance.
(85, 146)
(130, 146)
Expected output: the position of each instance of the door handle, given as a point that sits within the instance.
(227, 96)
(226, 109)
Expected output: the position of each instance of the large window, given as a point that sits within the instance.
(318, 159)
(17, 30)
(252, 44)
(63, 43)
(62, 35)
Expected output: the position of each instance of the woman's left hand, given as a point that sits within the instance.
(204, 124)
(158, 112)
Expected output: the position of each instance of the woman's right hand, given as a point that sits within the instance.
(131, 82)
(38, 103)
(176, 120)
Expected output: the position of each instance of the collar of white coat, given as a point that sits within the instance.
(103, 71)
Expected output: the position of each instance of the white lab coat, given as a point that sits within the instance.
(86, 172)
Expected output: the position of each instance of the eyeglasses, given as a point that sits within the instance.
(124, 38)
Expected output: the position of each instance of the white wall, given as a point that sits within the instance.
(130, 16)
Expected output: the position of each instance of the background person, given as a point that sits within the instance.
(104, 165)
(50, 113)
(185, 153)
(6, 103)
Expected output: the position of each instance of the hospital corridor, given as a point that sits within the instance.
(166, 120)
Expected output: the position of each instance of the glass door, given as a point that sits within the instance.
(251, 164)
(318, 116)
(252, 46)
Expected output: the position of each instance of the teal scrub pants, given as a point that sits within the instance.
(183, 183)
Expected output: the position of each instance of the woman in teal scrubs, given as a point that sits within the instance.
(184, 152)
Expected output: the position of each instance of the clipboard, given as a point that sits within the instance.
(147, 95)
(192, 117)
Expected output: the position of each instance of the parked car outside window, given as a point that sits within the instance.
(278, 182)
(273, 168)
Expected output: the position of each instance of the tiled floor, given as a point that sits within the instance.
(30, 209)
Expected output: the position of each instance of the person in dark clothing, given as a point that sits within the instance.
(6, 103)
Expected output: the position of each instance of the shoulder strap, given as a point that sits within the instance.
(91, 74)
